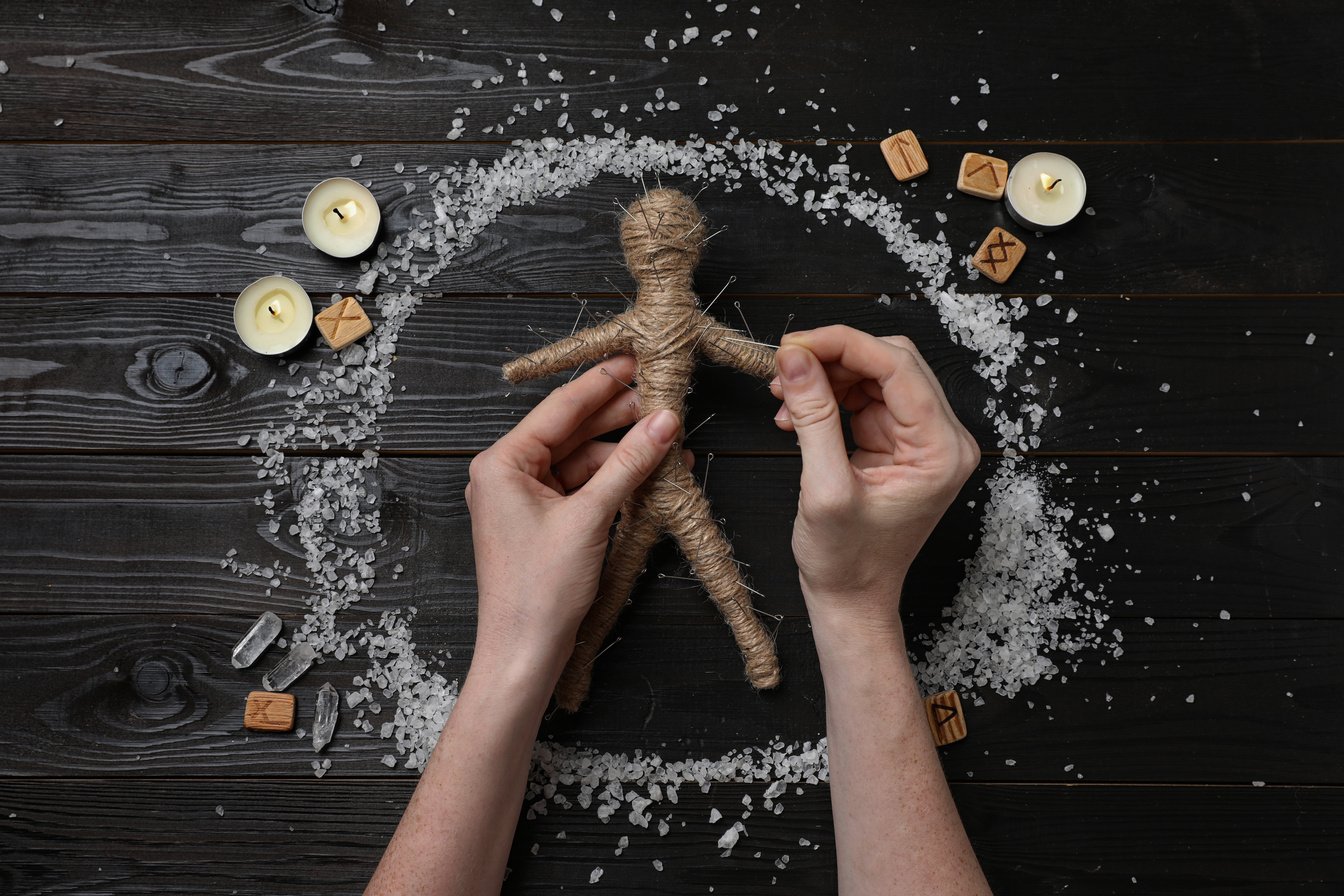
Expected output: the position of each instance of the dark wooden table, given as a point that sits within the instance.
(147, 149)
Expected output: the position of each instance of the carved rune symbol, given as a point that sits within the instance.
(904, 146)
(993, 174)
(346, 313)
(939, 709)
(996, 253)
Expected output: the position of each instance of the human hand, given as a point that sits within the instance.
(862, 518)
(542, 500)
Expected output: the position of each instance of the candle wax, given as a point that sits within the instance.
(341, 217)
(1045, 191)
(273, 315)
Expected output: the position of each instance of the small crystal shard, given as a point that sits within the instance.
(288, 670)
(324, 717)
(257, 639)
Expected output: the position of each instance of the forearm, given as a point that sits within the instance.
(896, 827)
(455, 835)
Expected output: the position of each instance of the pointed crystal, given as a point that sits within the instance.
(324, 717)
(288, 670)
(257, 639)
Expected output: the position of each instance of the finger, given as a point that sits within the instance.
(928, 371)
(851, 390)
(582, 463)
(621, 410)
(559, 414)
(874, 429)
(909, 393)
(816, 419)
(635, 457)
(867, 460)
(574, 471)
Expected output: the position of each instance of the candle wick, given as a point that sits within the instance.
(338, 214)
(1054, 183)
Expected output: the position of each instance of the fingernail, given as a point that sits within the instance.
(663, 425)
(774, 383)
(782, 414)
(792, 365)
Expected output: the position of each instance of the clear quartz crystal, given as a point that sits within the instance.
(324, 717)
(257, 639)
(287, 671)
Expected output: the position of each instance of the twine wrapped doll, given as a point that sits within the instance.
(662, 234)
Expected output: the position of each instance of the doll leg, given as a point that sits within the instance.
(635, 534)
(711, 559)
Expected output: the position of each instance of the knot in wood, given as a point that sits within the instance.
(173, 371)
(662, 233)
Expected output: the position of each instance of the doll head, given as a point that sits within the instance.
(662, 236)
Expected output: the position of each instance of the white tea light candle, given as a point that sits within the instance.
(340, 217)
(1045, 191)
(273, 315)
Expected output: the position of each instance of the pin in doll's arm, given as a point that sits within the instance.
(725, 345)
(596, 342)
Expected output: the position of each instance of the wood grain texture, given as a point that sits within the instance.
(112, 535)
(1199, 218)
(134, 694)
(280, 71)
(124, 836)
(189, 135)
(169, 374)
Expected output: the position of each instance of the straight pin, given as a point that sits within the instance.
(583, 306)
(738, 306)
(732, 278)
(697, 427)
(602, 651)
(622, 382)
(618, 291)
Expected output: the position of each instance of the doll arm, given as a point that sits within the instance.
(725, 345)
(592, 344)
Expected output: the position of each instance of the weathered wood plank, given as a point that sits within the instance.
(284, 72)
(164, 836)
(136, 694)
(81, 374)
(98, 535)
(191, 217)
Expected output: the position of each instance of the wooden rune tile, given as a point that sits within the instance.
(343, 322)
(999, 255)
(983, 176)
(946, 720)
(905, 156)
(267, 711)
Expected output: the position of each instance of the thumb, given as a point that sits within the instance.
(636, 456)
(815, 416)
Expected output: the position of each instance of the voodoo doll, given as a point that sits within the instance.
(662, 234)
